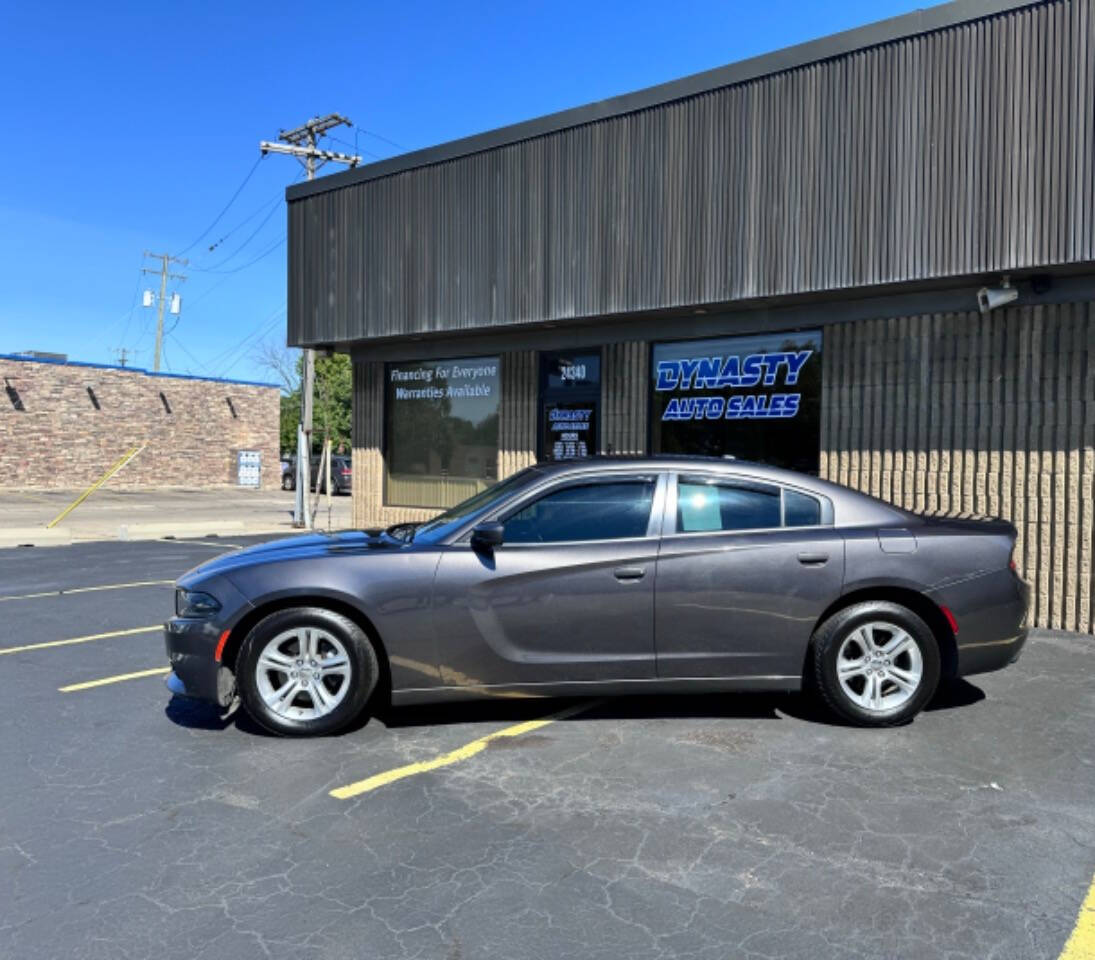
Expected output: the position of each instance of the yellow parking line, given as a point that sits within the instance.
(455, 756)
(88, 684)
(105, 586)
(1081, 945)
(87, 639)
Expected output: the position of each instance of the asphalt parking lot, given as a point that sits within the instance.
(711, 827)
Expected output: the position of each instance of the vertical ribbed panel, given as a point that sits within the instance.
(967, 150)
(625, 396)
(992, 415)
(517, 418)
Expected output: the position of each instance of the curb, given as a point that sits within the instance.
(194, 528)
(35, 537)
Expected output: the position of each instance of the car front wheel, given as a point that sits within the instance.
(876, 663)
(306, 671)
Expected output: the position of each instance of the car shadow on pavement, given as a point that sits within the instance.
(806, 707)
(634, 707)
(198, 715)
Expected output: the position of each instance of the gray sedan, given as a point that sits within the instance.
(607, 576)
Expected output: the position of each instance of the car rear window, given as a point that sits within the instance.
(707, 506)
(711, 505)
(800, 509)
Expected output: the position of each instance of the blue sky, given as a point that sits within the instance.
(131, 125)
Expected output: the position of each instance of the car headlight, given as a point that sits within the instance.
(194, 604)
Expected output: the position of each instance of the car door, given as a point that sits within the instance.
(746, 567)
(568, 596)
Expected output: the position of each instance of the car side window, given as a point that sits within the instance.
(706, 505)
(587, 511)
(800, 509)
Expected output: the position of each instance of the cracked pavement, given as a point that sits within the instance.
(755, 827)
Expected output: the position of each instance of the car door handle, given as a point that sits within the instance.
(629, 573)
(813, 559)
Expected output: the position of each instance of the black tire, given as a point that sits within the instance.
(287, 481)
(830, 637)
(364, 670)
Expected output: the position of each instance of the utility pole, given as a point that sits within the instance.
(302, 143)
(122, 355)
(164, 271)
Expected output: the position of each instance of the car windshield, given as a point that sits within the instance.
(441, 526)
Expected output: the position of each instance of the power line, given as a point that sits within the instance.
(250, 263)
(164, 271)
(231, 200)
(236, 252)
(370, 133)
(260, 329)
(251, 216)
(303, 143)
(357, 149)
(182, 347)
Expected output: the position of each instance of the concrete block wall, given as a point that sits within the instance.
(969, 414)
(193, 428)
(942, 413)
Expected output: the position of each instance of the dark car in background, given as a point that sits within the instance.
(608, 576)
(342, 474)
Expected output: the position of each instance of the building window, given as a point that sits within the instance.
(755, 398)
(442, 430)
(570, 404)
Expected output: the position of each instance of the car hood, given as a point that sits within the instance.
(296, 548)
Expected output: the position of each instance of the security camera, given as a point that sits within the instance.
(989, 298)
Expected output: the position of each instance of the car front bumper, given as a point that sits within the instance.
(191, 647)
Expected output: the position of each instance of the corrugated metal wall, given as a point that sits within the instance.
(992, 415)
(966, 150)
(625, 397)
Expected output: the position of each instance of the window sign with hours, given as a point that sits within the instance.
(570, 401)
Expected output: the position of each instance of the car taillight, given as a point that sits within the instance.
(345, 472)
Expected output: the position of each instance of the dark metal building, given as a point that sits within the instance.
(551, 288)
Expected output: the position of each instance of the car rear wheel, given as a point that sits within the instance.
(306, 671)
(876, 663)
(287, 481)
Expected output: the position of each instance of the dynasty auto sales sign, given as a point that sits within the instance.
(755, 397)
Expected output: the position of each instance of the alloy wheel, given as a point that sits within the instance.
(303, 673)
(879, 666)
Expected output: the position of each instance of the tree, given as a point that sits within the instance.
(332, 397)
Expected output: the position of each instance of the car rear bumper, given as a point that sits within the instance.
(991, 612)
(191, 645)
(990, 655)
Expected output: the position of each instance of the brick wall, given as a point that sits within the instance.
(192, 428)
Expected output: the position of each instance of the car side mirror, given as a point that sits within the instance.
(487, 536)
